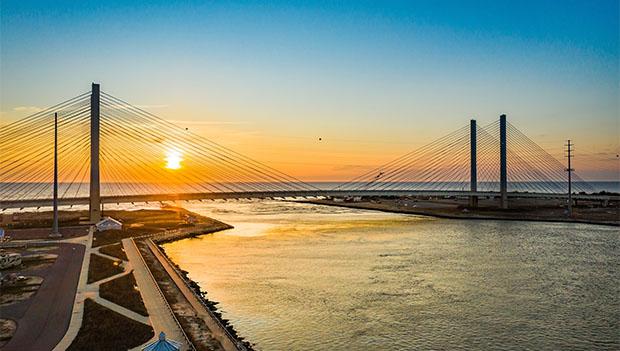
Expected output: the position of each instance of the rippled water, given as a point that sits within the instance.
(304, 277)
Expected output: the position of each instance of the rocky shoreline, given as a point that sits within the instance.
(210, 305)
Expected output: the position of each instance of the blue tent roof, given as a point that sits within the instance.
(163, 344)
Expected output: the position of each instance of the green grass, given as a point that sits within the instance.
(101, 268)
(115, 250)
(122, 292)
(104, 329)
(115, 236)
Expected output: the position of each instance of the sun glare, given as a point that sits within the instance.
(173, 159)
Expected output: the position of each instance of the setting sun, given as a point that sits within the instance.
(173, 159)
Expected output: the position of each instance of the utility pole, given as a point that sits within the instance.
(55, 233)
(569, 155)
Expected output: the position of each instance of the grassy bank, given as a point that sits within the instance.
(123, 291)
(101, 268)
(114, 250)
(104, 329)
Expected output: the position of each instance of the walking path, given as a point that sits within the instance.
(91, 291)
(160, 315)
(218, 331)
(122, 310)
(43, 319)
(80, 296)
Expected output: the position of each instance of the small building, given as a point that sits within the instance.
(108, 223)
(189, 219)
(162, 344)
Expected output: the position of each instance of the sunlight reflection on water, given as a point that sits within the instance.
(303, 277)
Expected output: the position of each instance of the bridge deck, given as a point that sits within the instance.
(290, 194)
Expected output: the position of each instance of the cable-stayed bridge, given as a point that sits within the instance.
(110, 151)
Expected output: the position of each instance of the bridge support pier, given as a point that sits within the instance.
(94, 207)
(503, 169)
(473, 173)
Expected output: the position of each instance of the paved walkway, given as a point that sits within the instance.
(91, 291)
(44, 318)
(80, 296)
(227, 342)
(122, 310)
(160, 315)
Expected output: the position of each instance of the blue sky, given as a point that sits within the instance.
(375, 79)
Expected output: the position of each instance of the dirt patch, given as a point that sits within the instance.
(38, 261)
(19, 290)
(7, 329)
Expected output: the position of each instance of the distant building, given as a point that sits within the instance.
(108, 223)
(162, 344)
(189, 219)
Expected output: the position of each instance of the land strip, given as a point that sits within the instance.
(526, 210)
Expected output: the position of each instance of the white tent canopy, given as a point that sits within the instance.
(108, 223)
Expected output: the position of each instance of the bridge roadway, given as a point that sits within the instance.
(35, 203)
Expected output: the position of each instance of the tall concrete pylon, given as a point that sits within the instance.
(95, 186)
(503, 167)
(473, 173)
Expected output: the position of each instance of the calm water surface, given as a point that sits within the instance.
(304, 277)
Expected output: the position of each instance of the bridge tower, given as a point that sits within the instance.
(503, 168)
(473, 174)
(95, 189)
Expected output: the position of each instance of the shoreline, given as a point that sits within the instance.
(201, 295)
(466, 216)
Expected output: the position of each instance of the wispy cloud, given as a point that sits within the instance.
(208, 123)
(27, 109)
(152, 106)
(126, 107)
(341, 168)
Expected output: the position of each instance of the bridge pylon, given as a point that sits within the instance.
(94, 208)
(473, 173)
(503, 167)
